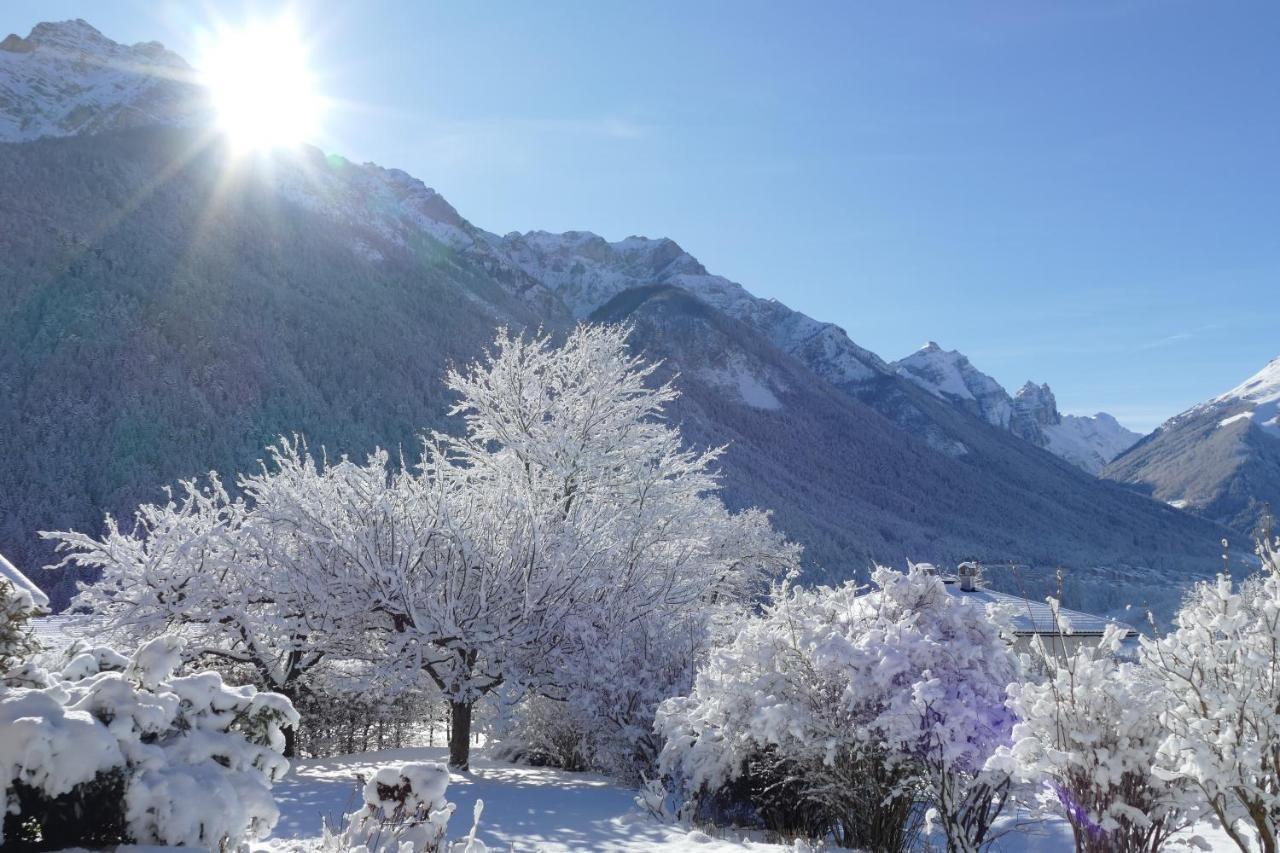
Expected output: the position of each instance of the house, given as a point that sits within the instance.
(1035, 618)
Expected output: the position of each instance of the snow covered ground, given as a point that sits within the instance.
(539, 810)
(526, 809)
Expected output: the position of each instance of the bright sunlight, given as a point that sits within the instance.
(262, 86)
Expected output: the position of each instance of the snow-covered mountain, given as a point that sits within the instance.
(68, 78)
(951, 376)
(1088, 442)
(234, 303)
(587, 271)
(1220, 458)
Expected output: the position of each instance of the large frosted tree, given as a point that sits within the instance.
(567, 514)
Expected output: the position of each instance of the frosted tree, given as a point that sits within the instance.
(568, 519)
(1087, 737)
(1218, 673)
(204, 565)
(567, 514)
(18, 606)
(851, 712)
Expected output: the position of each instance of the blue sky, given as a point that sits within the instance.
(1082, 193)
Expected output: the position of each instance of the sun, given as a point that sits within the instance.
(263, 89)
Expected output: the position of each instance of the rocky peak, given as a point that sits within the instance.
(67, 78)
(950, 375)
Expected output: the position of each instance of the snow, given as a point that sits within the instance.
(1259, 394)
(738, 379)
(525, 808)
(946, 374)
(1243, 416)
(10, 572)
(586, 271)
(1088, 441)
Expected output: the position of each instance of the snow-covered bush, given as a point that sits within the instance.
(18, 606)
(1218, 679)
(204, 565)
(852, 712)
(116, 750)
(404, 811)
(1087, 739)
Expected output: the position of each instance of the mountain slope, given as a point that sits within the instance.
(856, 489)
(1220, 459)
(1088, 442)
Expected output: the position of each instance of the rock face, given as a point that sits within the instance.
(1220, 459)
(229, 304)
(950, 375)
(1088, 442)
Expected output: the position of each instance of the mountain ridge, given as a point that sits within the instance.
(1088, 442)
(1220, 458)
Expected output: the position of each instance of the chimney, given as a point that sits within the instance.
(968, 575)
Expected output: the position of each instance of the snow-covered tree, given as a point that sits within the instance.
(862, 708)
(569, 519)
(1087, 739)
(1218, 679)
(205, 565)
(18, 606)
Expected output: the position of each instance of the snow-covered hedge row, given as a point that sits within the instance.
(106, 749)
(848, 713)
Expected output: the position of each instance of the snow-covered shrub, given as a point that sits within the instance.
(117, 750)
(18, 606)
(404, 811)
(1218, 679)
(852, 712)
(1087, 739)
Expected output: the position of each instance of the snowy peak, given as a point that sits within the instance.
(950, 375)
(1032, 414)
(1254, 401)
(67, 78)
(1220, 459)
(1261, 387)
(1035, 406)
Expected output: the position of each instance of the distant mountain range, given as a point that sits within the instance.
(170, 308)
(1220, 459)
(1087, 442)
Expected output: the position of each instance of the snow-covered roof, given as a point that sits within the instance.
(10, 572)
(1035, 617)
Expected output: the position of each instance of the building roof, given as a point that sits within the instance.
(1035, 617)
(10, 572)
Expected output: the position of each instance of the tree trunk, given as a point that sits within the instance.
(460, 735)
(290, 741)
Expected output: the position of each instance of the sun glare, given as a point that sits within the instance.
(263, 89)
